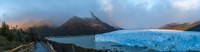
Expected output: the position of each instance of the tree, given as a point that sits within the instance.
(4, 31)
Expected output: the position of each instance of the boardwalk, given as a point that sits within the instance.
(40, 47)
(23, 48)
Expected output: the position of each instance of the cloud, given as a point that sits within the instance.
(133, 14)
(186, 4)
(56, 11)
(107, 6)
(128, 14)
(145, 4)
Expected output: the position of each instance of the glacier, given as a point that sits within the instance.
(161, 40)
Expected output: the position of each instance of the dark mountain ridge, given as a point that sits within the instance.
(85, 26)
(77, 26)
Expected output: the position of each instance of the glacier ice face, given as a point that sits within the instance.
(161, 40)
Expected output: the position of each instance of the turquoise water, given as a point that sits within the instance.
(89, 42)
(83, 41)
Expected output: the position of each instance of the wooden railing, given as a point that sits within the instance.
(23, 48)
(48, 47)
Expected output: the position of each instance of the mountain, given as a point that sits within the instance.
(196, 28)
(175, 26)
(76, 26)
(84, 26)
(183, 26)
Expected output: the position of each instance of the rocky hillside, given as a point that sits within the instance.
(84, 26)
(195, 28)
(183, 26)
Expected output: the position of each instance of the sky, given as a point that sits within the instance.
(127, 14)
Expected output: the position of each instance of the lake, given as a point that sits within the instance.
(89, 42)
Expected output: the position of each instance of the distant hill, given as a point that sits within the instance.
(84, 26)
(183, 26)
(44, 30)
(175, 26)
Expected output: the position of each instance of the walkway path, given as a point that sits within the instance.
(40, 48)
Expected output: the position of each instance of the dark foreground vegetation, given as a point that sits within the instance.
(11, 37)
